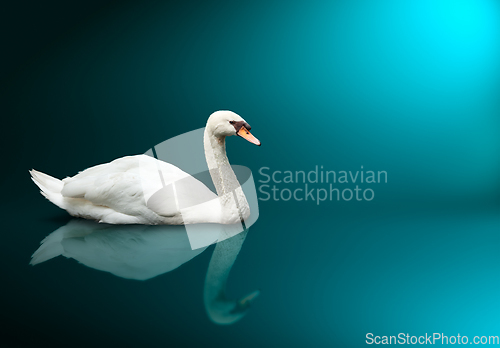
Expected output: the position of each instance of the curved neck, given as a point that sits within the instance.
(232, 199)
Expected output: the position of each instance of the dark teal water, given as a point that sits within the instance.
(406, 87)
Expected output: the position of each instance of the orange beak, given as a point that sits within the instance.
(245, 134)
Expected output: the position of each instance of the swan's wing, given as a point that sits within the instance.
(79, 185)
(138, 186)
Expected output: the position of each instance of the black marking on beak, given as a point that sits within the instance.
(238, 125)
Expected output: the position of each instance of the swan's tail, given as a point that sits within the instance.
(50, 187)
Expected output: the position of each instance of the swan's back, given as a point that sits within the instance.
(132, 189)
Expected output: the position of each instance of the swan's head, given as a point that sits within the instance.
(226, 123)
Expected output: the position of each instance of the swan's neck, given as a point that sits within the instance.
(234, 205)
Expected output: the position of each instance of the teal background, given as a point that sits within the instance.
(409, 87)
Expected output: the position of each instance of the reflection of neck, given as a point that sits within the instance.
(220, 309)
(232, 199)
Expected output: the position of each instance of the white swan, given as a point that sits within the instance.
(123, 191)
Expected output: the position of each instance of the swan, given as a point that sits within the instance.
(142, 252)
(124, 191)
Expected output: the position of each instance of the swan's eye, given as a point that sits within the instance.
(232, 122)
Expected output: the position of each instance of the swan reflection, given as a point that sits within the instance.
(142, 252)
